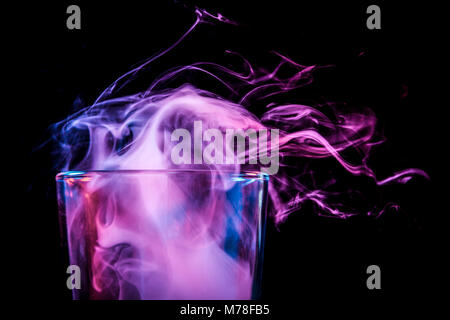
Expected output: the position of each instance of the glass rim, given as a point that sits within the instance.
(70, 174)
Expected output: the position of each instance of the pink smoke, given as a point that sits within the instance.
(128, 133)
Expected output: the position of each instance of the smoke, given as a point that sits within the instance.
(131, 132)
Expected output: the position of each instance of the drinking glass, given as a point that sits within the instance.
(164, 234)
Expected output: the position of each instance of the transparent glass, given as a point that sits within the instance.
(174, 234)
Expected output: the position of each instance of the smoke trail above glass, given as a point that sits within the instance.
(129, 218)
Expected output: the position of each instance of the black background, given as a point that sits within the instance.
(311, 259)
